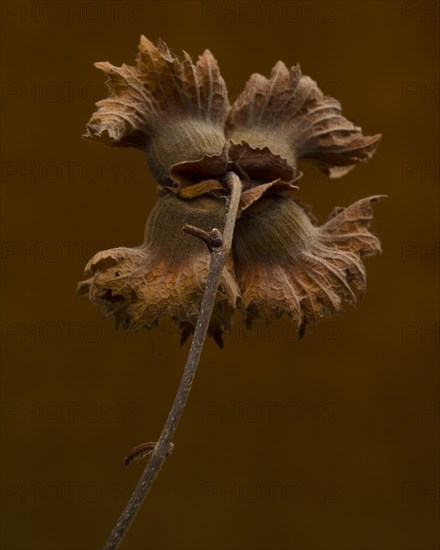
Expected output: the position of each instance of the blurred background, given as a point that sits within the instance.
(325, 444)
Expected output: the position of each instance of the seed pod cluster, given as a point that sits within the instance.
(177, 112)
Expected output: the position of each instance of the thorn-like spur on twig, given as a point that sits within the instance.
(142, 451)
(212, 239)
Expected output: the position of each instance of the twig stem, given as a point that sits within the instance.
(164, 445)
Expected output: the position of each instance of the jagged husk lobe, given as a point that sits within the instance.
(169, 107)
(290, 115)
(286, 264)
(166, 275)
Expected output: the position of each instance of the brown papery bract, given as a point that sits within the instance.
(165, 276)
(285, 264)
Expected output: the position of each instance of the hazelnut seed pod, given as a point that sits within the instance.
(290, 115)
(285, 264)
(165, 276)
(172, 109)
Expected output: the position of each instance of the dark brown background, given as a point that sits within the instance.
(326, 444)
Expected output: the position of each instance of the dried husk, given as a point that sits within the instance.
(170, 108)
(166, 275)
(290, 115)
(285, 264)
